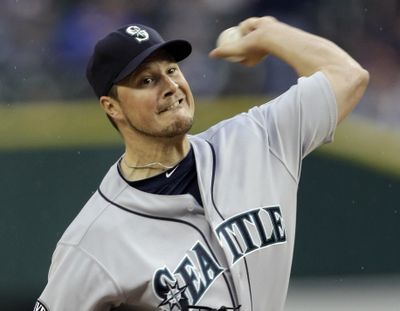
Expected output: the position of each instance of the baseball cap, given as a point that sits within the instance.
(120, 52)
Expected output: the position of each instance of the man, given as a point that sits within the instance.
(203, 222)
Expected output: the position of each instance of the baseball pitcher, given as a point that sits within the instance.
(207, 221)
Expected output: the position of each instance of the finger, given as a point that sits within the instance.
(227, 50)
(252, 23)
(248, 25)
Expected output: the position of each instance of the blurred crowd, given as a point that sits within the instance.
(45, 44)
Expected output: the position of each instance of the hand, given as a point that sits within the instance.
(251, 46)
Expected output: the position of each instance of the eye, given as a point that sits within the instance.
(172, 70)
(147, 81)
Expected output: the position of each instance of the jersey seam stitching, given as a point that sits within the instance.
(283, 163)
(88, 228)
(225, 122)
(271, 149)
(246, 115)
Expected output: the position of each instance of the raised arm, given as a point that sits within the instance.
(305, 52)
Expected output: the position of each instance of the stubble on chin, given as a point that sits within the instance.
(177, 128)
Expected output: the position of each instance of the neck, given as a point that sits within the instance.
(160, 153)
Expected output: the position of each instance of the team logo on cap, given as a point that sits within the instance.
(138, 33)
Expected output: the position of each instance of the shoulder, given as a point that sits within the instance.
(309, 95)
(88, 215)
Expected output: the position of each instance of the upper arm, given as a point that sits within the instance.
(348, 82)
(299, 120)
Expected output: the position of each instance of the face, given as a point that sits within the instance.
(155, 100)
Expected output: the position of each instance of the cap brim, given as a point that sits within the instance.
(178, 49)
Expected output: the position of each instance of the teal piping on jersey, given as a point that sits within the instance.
(222, 218)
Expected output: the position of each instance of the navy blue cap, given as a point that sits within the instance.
(119, 53)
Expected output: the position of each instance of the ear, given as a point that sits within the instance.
(111, 107)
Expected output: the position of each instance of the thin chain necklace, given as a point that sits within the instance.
(152, 165)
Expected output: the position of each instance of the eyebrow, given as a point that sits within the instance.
(146, 65)
(141, 68)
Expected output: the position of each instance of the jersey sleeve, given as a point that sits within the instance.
(77, 281)
(299, 120)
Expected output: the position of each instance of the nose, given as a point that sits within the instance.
(171, 86)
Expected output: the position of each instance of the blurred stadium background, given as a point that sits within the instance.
(55, 144)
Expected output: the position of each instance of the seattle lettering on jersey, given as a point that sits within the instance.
(241, 234)
(196, 278)
(252, 230)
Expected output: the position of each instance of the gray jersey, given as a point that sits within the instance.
(145, 251)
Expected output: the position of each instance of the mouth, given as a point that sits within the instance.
(172, 106)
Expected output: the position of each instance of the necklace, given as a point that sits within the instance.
(152, 165)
